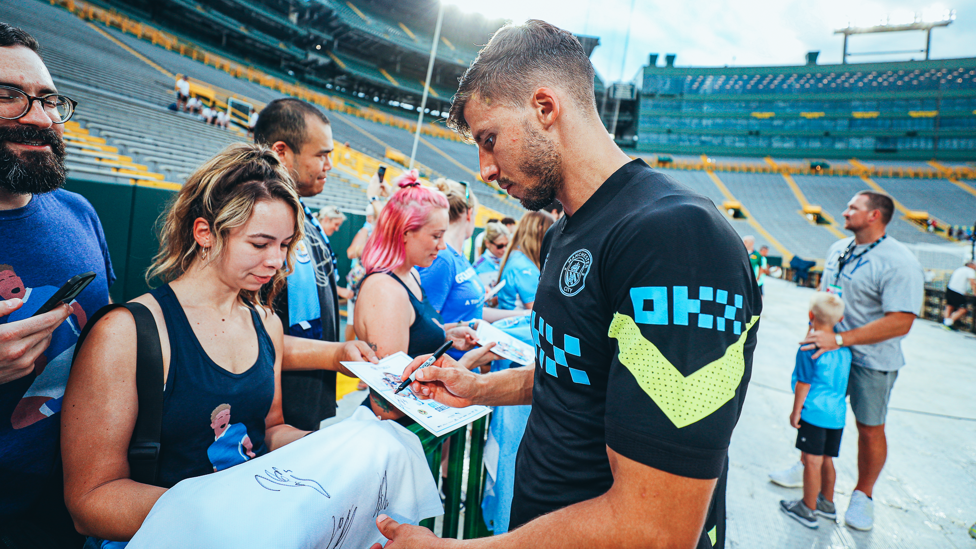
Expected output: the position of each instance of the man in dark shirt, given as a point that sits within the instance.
(301, 136)
(644, 323)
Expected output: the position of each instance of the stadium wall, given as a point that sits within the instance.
(129, 214)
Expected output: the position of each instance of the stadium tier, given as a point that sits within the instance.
(124, 86)
(918, 110)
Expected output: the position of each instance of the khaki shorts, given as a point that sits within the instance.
(870, 391)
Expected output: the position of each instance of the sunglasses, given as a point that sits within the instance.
(467, 191)
(498, 246)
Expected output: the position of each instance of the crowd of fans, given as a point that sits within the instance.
(247, 269)
(208, 113)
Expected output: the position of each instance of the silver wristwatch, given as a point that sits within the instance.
(839, 339)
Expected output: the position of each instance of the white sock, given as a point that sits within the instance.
(947, 321)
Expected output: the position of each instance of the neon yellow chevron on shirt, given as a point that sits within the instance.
(685, 400)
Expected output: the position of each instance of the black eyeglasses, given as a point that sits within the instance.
(467, 192)
(15, 104)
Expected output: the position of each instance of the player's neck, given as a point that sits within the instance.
(10, 201)
(594, 160)
(868, 235)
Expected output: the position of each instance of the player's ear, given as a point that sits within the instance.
(810, 314)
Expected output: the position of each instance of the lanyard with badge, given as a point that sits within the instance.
(847, 257)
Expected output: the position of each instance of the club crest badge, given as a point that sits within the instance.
(572, 279)
(301, 253)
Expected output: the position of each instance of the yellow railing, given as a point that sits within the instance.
(111, 18)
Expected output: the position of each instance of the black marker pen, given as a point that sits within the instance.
(433, 358)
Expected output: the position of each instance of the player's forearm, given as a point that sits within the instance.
(887, 327)
(599, 522)
(510, 387)
(309, 354)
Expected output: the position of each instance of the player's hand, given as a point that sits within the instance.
(405, 536)
(21, 342)
(795, 420)
(446, 381)
(822, 341)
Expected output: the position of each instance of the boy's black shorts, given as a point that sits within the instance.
(818, 441)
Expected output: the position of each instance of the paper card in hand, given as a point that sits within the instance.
(506, 346)
(437, 418)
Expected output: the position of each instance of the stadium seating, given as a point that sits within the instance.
(701, 183)
(940, 198)
(76, 52)
(819, 80)
(833, 193)
(776, 208)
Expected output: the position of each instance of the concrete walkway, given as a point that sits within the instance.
(926, 496)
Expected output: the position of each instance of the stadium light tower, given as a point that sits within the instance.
(430, 70)
(920, 22)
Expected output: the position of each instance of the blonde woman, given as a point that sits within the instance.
(229, 234)
(493, 246)
(521, 265)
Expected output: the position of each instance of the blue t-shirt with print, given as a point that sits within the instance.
(55, 237)
(452, 286)
(521, 278)
(825, 405)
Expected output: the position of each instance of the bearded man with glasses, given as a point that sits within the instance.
(49, 235)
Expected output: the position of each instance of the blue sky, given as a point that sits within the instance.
(738, 32)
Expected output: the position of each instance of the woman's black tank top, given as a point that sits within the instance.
(212, 418)
(425, 335)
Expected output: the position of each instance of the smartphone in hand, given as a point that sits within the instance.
(67, 293)
(381, 172)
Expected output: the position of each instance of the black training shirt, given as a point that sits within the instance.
(644, 325)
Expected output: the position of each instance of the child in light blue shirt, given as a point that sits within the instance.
(819, 411)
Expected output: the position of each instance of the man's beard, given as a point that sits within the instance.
(543, 163)
(31, 172)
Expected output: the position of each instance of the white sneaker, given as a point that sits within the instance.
(860, 513)
(789, 478)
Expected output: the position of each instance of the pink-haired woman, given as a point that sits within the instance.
(392, 312)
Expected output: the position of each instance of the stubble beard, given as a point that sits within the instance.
(542, 162)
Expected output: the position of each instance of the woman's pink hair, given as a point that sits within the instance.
(407, 210)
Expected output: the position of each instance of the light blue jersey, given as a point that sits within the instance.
(453, 287)
(825, 405)
(521, 278)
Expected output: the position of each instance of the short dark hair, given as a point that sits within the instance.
(284, 120)
(508, 221)
(881, 202)
(554, 205)
(518, 60)
(13, 36)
